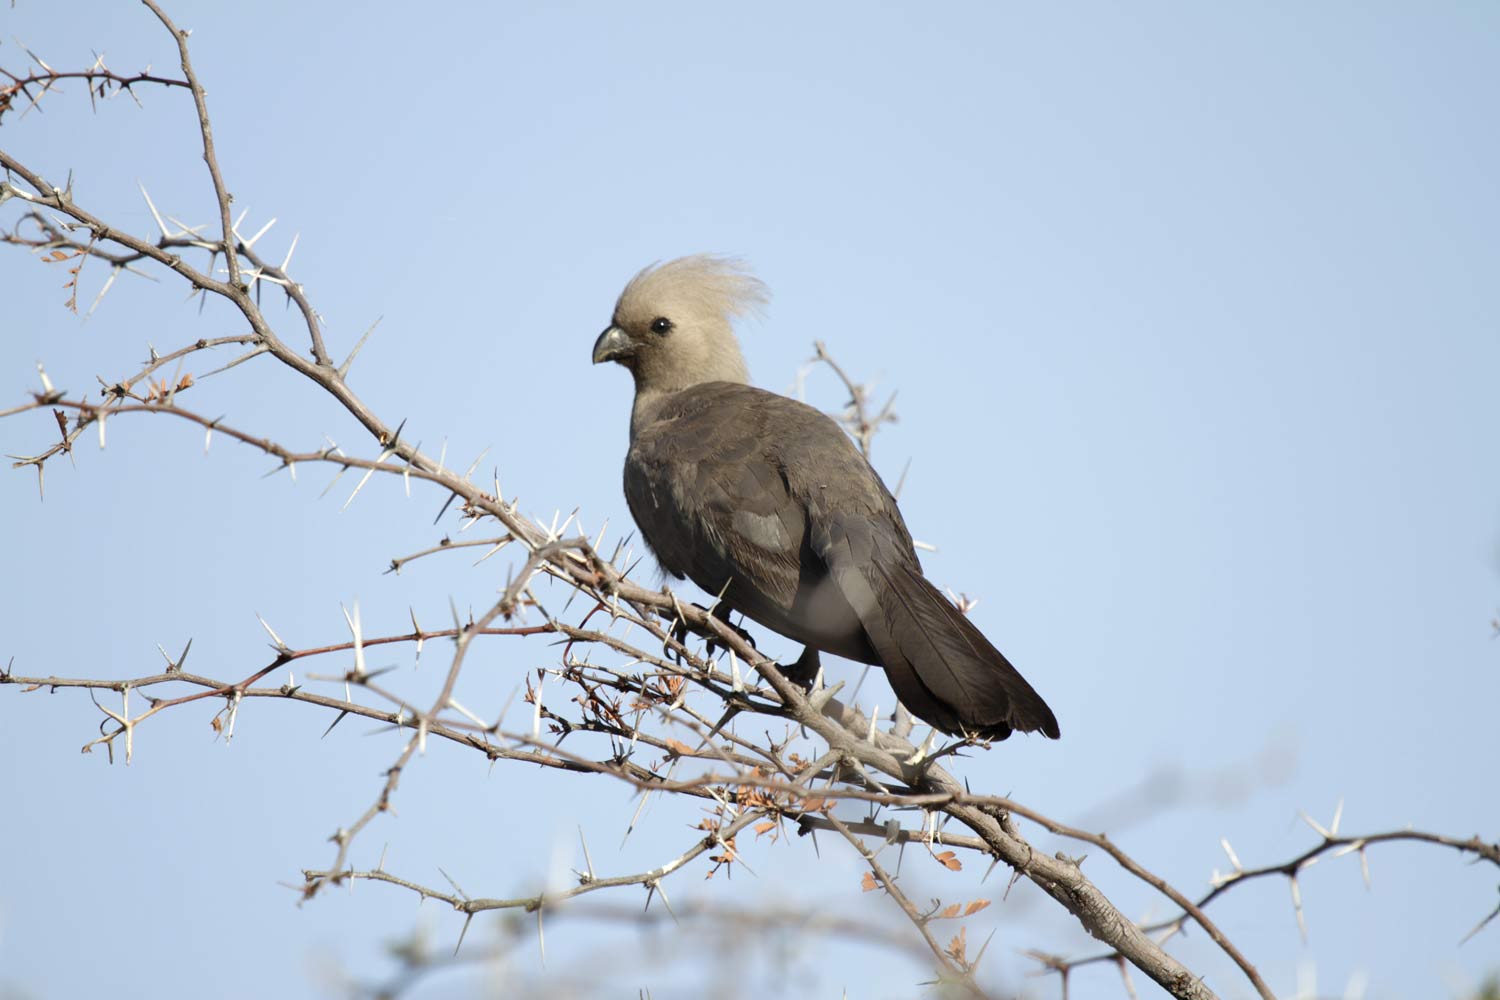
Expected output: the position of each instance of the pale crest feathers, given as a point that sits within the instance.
(699, 290)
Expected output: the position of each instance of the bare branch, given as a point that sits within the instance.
(210, 158)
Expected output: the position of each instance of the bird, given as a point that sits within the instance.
(766, 503)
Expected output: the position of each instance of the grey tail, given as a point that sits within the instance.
(938, 648)
(939, 664)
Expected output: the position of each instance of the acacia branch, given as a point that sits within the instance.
(952, 959)
(210, 158)
(587, 883)
(857, 418)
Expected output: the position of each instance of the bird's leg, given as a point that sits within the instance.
(805, 670)
(720, 612)
(680, 629)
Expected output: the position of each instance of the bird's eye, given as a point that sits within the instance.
(661, 325)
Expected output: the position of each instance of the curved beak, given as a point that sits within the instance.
(612, 345)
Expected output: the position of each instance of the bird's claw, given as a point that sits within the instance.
(714, 645)
(804, 672)
(681, 630)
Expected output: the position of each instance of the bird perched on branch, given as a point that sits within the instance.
(766, 502)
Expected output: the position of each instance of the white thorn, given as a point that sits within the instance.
(154, 213)
(454, 704)
(475, 465)
(289, 251)
(368, 473)
(1315, 825)
(1297, 905)
(920, 754)
(271, 631)
(359, 641)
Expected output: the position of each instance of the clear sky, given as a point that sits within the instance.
(1192, 310)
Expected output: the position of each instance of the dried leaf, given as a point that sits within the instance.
(680, 748)
(867, 883)
(958, 946)
(949, 861)
(763, 828)
(960, 910)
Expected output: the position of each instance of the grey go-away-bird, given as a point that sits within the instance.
(766, 503)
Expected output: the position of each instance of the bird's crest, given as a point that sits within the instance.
(705, 286)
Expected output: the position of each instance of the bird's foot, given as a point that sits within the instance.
(803, 673)
(681, 630)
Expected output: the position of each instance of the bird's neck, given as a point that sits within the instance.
(651, 398)
(654, 385)
(648, 403)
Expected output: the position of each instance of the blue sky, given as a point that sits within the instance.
(1192, 314)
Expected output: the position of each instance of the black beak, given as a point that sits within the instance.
(613, 344)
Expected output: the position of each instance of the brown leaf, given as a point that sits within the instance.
(960, 910)
(958, 945)
(949, 861)
(680, 748)
(766, 827)
(868, 882)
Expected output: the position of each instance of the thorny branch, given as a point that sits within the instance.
(652, 686)
(733, 934)
(857, 417)
(103, 83)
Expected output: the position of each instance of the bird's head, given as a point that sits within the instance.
(673, 325)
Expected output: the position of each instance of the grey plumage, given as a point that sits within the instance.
(767, 501)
